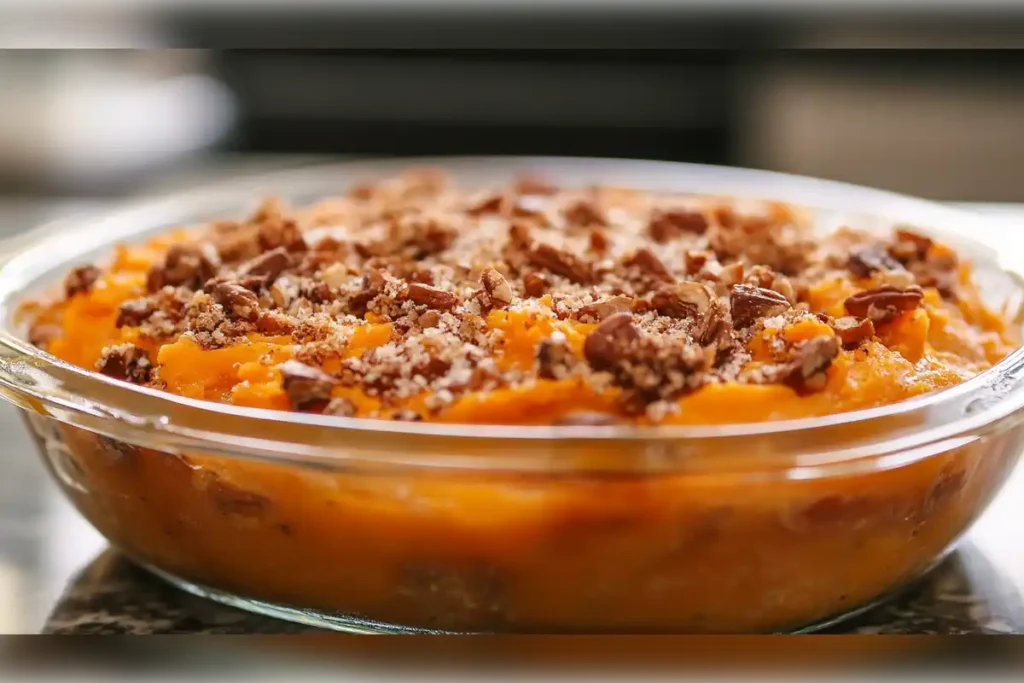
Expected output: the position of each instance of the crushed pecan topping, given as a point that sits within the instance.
(126, 362)
(748, 304)
(305, 385)
(414, 293)
(81, 279)
(885, 303)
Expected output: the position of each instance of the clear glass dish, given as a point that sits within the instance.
(377, 526)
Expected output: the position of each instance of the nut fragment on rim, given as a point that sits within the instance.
(748, 304)
(853, 331)
(304, 384)
(497, 288)
(884, 303)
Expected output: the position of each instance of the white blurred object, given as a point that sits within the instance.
(92, 123)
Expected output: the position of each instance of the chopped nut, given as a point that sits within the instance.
(598, 242)
(42, 333)
(884, 303)
(748, 304)
(238, 302)
(490, 203)
(562, 263)
(910, 246)
(554, 359)
(607, 307)
(134, 312)
(497, 288)
(605, 344)
(305, 385)
(853, 331)
(185, 265)
(267, 265)
(871, 259)
(583, 213)
(432, 297)
(683, 300)
(649, 265)
(806, 371)
(668, 224)
(535, 284)
(81, 280)
(126, 362)
(695, 260)
(283, 233)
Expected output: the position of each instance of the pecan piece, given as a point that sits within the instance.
(598, 242)
(134, 312)
(304, 384)
(649, 265)
(81, 280)
(498, 291)
(185, 265)
(267, 265)
(884, 303)
(529, 184)
(604, 346)
(238, 302)
(432, 297)
(583, 213)
(281, 232)
(909, 246)
(534, 284)
(126, 362)
(748, 304)
(491, 203)
(683, 300)
(853, 331)
(607, 307)
(806, 370)
(668, 224)
(562, 263)
(554, 359)
(872, 259)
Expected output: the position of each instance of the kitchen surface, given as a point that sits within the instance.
(57, 575)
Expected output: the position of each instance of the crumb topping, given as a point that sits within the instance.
(670, 291)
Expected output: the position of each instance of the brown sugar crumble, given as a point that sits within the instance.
(409, 294)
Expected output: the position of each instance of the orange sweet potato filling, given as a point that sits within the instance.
(931, 348)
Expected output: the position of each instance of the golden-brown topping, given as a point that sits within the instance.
(647, 266)
(535, 284)
(884, 303)
(237, 301)
(668, 224)
(185, 265)
(432, 297)
(564, 263)
(609, 340)
(805, 372)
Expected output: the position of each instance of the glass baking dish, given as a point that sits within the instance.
(374, 526)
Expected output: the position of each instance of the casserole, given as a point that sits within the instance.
(389, 526)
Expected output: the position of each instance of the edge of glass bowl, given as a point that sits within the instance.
(37, 381)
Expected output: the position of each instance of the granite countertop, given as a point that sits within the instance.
(58, 576)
